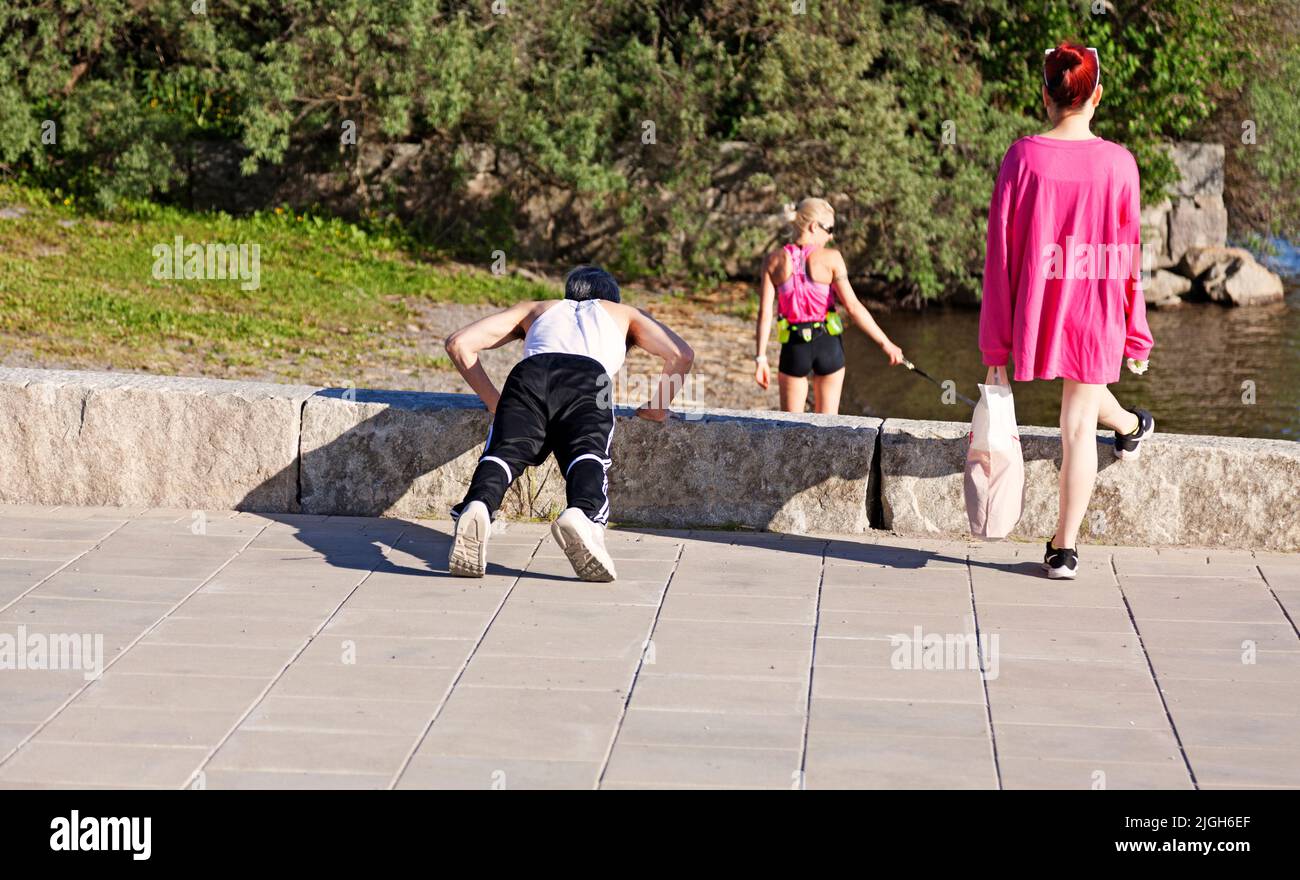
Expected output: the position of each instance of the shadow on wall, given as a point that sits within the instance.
(943, 456)
(412, 454)
(366, 453)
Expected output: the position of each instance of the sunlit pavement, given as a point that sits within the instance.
(248, 651)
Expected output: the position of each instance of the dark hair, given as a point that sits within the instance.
(1070, 75)
(590, 282)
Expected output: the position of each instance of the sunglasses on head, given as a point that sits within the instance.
(1095, 57)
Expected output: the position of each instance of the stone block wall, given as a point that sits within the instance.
(121, 439)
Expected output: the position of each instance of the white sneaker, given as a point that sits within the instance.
(468, 557)
(583, 541)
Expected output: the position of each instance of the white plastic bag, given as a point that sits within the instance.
(995, 466)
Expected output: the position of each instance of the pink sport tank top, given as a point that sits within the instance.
(800, 299)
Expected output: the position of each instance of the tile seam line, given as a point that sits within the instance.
(984, 681)
(636, 673)
(812, 661)
(460, 672)
(257, 701)
(153, 626)
(1155, 680)
(1272, 592)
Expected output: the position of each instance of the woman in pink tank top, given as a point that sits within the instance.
(1062, 281)
(803, 280)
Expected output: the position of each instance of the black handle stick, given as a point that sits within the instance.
(923, 374)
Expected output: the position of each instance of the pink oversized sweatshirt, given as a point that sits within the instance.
(1062, 273)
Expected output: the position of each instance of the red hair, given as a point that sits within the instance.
(1070, 74)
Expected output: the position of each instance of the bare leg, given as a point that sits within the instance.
(794, 392)
(1112, 415)
(1079, 407)
(826, 392)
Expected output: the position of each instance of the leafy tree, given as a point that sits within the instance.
(657, 136)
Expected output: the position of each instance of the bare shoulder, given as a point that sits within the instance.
(624, 314)
(777, 265)
(829, 258)
(530, 311)
(523, 314)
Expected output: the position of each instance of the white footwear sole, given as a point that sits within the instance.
(1060, 574)
(1123, 455)
(468, 557)
(591, 562)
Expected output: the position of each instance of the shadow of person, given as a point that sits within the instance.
(363, 471)
(865, 552)
(391, 545)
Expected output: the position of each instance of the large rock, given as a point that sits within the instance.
(1163, 289)
(1201, 491)
(1200, 169)
(1155, 236)
(1194, 215)
(1252, 284)
(123, 439)
(1231, 276)
(408, 454)
(1196, 223)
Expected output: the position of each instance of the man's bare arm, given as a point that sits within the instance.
(493, 331)
(678, 357)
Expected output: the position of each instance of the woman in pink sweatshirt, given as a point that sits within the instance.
(1062, 281)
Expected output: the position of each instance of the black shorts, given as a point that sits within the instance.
(822, 355)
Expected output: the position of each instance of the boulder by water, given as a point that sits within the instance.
(1165, 289)
(1185, 237)
(1230, 276)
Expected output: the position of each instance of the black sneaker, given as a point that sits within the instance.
(1129, 446)
(1060, 562)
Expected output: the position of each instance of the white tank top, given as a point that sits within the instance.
(584, 328)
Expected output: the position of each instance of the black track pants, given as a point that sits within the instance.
(551, 403)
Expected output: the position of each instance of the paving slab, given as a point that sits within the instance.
(892, 761)
(446, 772)
(1029, 705)
(267, 780)
(704, 766)
(1052, 773)
(331, 653)
(300, 751)
(489, 722)
(711, 730)
(690, 693)
(137, 726)
(356, 715)
(330, 649)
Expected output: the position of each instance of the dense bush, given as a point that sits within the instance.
(630, 111)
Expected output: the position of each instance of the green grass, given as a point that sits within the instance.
(77, 287)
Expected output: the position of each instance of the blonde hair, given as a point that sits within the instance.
(811, 211)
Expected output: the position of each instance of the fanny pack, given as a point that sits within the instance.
(832, 323)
